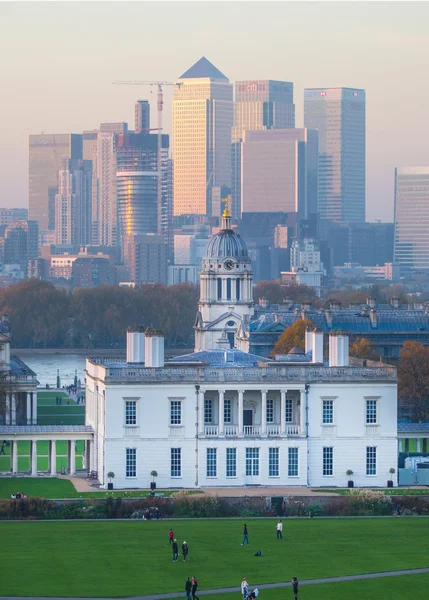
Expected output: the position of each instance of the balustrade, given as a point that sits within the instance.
(251, 430)
(211, 430)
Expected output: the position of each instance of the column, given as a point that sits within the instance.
(303, 414)
(91, 461)
(28, 408)
(264, 412)
(53, 458)
(34, 395)
(72, 464)
(240, 411)
(13, 411)
(418, 445)
(400, 445)
(282, 412)
(201, 412)
(8, 410)
(14, 452)
(221, 410)
(34, 458)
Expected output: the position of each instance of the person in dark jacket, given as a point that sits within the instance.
(188, 588)
(194, 588)
(245, 535)
(295, 588)
(185, 551)
(175, 549)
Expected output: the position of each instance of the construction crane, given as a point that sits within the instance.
(159, 104)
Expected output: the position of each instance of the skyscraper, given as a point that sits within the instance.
(73, 203)
(142, 116)
(259, 105)
(339, 115)
(89, 152)
(202, 122)
(411, 250)
(46, 155)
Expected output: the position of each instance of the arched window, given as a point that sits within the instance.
(219, 289)
(228, 289)
(237, 289)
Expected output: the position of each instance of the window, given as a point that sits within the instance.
(371, 460)
(227, 413)
(231, 462)
(252, 461)
(130, 462)
(219, 289)
(211, 462)
(131, 412)
(270, 411)
(176, 462)
(208, 410)
(328, 412)
(371, 412)
(273, 462)
(228, 289)
(292, 464)
(289, 410)
(328, 461)
(176, 412)
(237, 289)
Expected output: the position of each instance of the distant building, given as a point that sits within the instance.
(202, 122)
(412, 218)
(178, 274)
(21, 243)
(91, 271)
(142, 116)
(73, 203)
(306, 266)
(146, 258)
(10, 215)
(355, 272)
(61, 265)
(339, 115)
(46, 157)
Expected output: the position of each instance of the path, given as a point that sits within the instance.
(236, 589)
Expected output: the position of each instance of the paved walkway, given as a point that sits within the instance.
(236, 589)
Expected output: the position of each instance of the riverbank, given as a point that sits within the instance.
(169, 352)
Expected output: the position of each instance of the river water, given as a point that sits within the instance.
(45, 366)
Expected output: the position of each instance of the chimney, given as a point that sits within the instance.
(317, 345)
(371, 302)
(418, 305)
(328, 317)
(308, 339)
(154, 348)
(394, 301)
(306, 306)
(263, 302)
(335, 305)
(135, 344)
(373, 317)
(338, 349)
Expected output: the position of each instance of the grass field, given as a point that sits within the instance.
(49, 413)
(119, 558)
(42, 456)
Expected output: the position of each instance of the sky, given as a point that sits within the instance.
(59, 59)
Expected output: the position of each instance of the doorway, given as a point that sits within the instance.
(247, 417)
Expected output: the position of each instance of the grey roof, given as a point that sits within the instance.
(203, 68)
(46, 429)
(226, 244)
(413, 427)
(221, 358)
(18, 367)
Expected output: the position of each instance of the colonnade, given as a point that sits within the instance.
(31, 408)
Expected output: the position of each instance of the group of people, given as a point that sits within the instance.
(248, 595)
(18, 496)
(175, 547)
(191, 587)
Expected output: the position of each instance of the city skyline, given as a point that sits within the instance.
(384, 50)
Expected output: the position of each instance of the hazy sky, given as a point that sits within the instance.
(58, 60)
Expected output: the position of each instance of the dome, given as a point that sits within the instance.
(226, 244)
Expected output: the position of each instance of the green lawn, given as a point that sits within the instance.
(49, 413)
(386, 491)
(120, 558)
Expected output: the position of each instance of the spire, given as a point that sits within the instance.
(226, 215)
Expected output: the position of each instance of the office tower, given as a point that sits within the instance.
(146, 258)
(10, 215)
(202, 121)
(46, 155)
(104, 213)
(90, 152)
(279, 171)
(21, 243)
(73, 203)
(411, 251)
(339, 115)
(259, 105)
(142, 116)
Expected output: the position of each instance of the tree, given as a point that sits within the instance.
(413, 375)
(362, 348)
(292, 336)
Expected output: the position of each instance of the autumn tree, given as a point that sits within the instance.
(292, 336)
(413, 375)
(362, 348)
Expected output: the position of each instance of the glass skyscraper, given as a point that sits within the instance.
(411, 250)
(339, 115)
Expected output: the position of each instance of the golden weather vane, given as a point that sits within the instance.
(226, 212)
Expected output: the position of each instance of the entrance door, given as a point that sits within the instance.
(247, 417)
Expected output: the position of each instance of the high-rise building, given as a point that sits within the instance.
(10, 215)
(21, 243)
(142, 116)
(46, 156)
(339, 115)
(89, 152)
(202, 122)
(279, 171)
(146, 258)
(73, 203)
(411, 250)
(259, 105)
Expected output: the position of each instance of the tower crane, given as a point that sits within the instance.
(159, 104)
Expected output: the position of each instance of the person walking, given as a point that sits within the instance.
(244, 588)
(175, 549)
(2, 448)
(194, 588)
(185, 551)
(295, 588)
(245, 535)
(279, 530)
(171, 536)
(188, 588)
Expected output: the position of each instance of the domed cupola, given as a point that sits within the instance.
(226, 243)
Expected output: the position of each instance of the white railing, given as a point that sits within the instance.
(273, 429)
(251, 430)
(131, 430)
(292, 429)
(372, 430)
(230, 430)
(211, 430)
